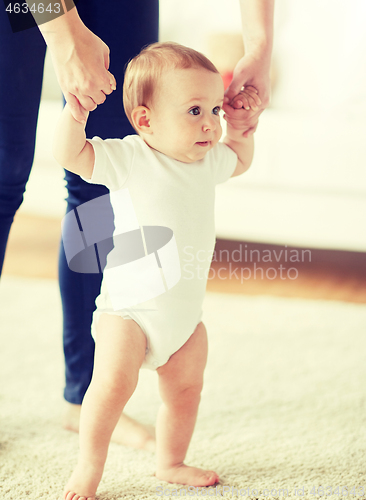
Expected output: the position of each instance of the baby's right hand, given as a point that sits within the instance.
(247, 98)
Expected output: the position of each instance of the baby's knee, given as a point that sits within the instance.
(186, 395)
(113, 385)
(191, 393)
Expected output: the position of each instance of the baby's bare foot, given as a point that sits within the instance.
(83, 482)
(74, 496)
(128, 432)
(183, 474)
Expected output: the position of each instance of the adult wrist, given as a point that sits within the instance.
(62, 30)
(259, 48)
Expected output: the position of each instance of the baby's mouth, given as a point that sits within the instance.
(204, 143)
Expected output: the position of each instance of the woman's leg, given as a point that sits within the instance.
(126, 27)
(21, 73)
(78, 292)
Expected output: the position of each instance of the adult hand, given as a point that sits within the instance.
(81, 64)
(251, 70)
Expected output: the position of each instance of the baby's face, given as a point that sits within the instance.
(184, 119)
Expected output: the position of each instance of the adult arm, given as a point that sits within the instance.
(81, 61)
(254, 67)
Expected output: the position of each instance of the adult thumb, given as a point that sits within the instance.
(233, 89)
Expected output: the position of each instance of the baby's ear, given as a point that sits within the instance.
(141, 119)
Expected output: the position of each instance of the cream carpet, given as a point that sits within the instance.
(284, 403)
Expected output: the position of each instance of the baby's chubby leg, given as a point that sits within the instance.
(180, 384)
(119, 352)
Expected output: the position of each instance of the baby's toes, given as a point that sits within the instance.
(211, 477)
(71, 495)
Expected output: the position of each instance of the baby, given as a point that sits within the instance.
(167, 175)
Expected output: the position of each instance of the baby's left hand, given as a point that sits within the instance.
(247, 98)
(243, 108)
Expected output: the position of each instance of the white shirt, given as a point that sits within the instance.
(176, 195)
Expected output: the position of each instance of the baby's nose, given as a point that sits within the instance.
(209, 124)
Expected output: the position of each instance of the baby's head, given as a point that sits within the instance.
(172, 96)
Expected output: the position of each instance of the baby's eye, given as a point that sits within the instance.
(216, 110)
(195, 111)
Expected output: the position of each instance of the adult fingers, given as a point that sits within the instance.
(95, 91)
(112, 84)
(253, 92)
(106, 87)
(252, 103)
(106, 57)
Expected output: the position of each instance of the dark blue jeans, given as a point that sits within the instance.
(125, 26)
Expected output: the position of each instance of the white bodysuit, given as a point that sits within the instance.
(175, 202)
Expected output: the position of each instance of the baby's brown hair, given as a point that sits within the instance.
(143, 71)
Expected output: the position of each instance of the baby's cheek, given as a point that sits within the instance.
(219, 132)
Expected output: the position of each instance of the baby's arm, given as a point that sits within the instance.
(70, 147)
(242, 146)
(235, 138)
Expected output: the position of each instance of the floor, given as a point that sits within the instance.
(238, 267)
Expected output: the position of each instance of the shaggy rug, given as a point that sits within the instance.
(283, 410)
